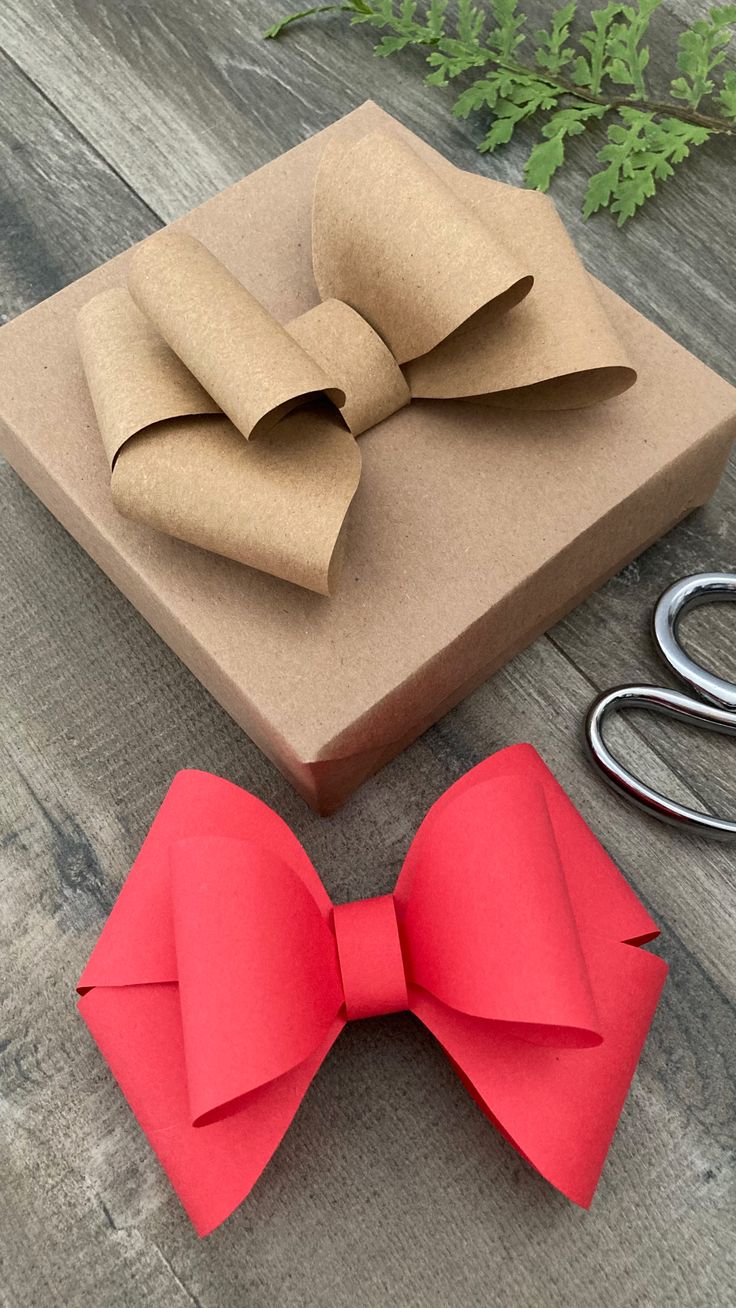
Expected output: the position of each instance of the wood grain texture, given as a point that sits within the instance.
(63, 209)
(390, 1187)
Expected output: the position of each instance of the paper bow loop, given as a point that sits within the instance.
(434, 284)
(224, 974)
(259, 981)
(471, 942)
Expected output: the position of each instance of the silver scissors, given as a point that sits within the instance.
(714, 709)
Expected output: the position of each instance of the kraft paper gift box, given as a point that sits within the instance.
(472, 528)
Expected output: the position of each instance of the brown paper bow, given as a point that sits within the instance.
(231, 431)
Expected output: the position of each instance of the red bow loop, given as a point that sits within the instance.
(259, 982)
(137, 944)
(475, 867)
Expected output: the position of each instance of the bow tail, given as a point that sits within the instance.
(558, 1107)
(212, 1167)
(180, 465)
(278, 503)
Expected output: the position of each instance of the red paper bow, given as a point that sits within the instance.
(224, 974)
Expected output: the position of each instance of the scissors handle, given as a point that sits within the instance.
(714, 711)
(678, 599)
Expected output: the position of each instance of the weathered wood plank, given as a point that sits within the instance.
(390, 1186)
(63, 211)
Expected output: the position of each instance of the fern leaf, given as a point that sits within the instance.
(647, 141)
(628, 57)
(727, 97)
(507, 35)
(700, 50)
(551, 53)
(639, 154)
(590, 72)
(549, 154)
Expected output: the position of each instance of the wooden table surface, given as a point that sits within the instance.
(116, 116)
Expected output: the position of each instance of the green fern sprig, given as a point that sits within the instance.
(567, 82)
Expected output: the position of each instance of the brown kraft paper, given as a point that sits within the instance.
(432, 287)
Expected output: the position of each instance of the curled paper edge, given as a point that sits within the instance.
(396, 242)
(277, 504)
(557, 348)
(251, 365)
(134, 377)
(179, 465)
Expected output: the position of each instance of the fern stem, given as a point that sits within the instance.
(596, 69)
(638, 101)
(662, 108)
(278, 28)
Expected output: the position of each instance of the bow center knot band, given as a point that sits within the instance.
(351, 352)
(371, 961)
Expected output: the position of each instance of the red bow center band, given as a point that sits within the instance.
(370, 957)
(224, 975)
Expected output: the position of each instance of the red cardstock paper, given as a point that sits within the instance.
(224, 975)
